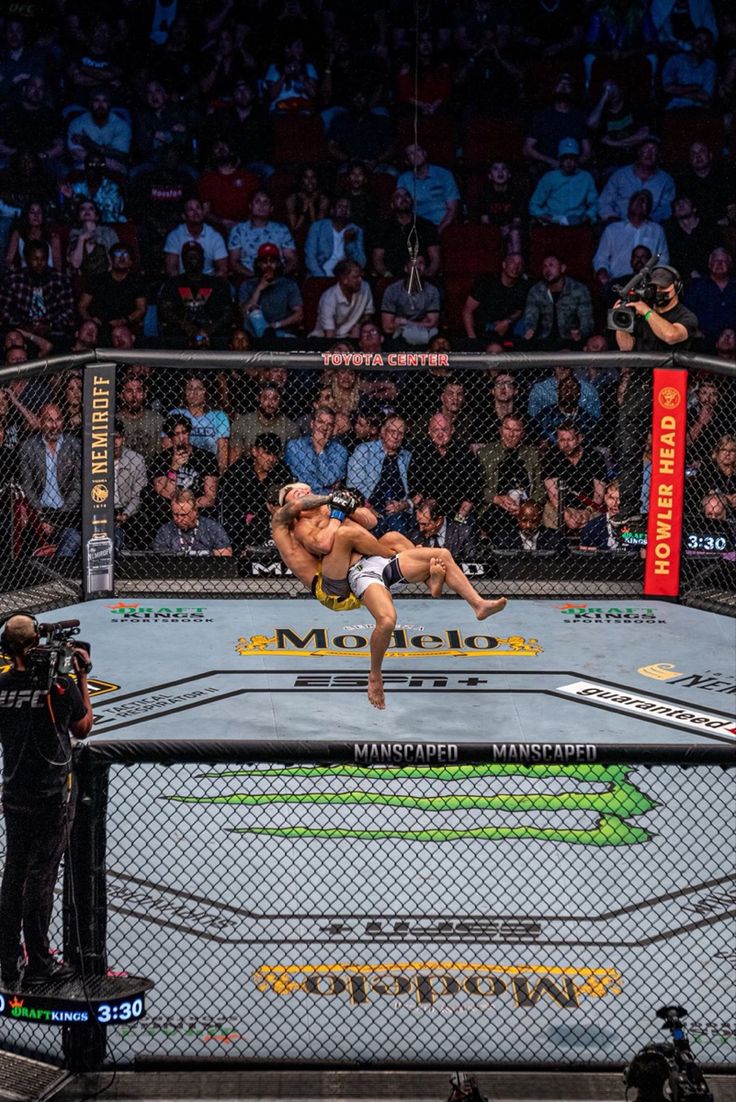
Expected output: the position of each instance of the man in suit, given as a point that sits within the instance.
(50, 475)
(529, 534)
(333, 239)
(438, 530)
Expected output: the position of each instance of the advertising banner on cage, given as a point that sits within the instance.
(98, 485)
(664, 531)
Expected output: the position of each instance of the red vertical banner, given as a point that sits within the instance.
(664, 528)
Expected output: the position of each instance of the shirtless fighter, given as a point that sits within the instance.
(344, 566)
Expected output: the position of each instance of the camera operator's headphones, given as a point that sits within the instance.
(652, 1072)
(10, 648)
(676, 277)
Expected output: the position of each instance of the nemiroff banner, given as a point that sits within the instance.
(664, 530)
(98, 486)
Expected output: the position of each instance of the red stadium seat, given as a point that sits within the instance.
(574, 245)
(313, 287)
(471, 249)
(487, 140)
(457, 289)
(299, 140)
(437, 134)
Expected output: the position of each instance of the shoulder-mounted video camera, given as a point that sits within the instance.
(46, 661)
(668, 1072)
(640, 288)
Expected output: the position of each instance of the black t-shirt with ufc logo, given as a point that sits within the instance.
(35, 752)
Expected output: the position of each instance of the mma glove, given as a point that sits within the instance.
(342, 503)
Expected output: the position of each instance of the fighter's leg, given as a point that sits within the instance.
(394, 542)
(379, 603)
(349, 538)
(415, 566)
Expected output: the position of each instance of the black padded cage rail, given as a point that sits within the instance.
(106, 536)
(408, 903)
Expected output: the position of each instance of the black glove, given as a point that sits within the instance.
(359, 499)
(342, 502)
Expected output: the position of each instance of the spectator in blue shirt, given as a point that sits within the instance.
(433, 189)
(189, 533)
(690, 78)
(210, 427)
(545, 394)
(317, 459)
(565, 195)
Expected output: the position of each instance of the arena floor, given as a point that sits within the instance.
(330, 912)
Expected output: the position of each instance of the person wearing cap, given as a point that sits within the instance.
(258, 229)
(117, 297)
(244, 488)
(619, 239)
(643, 173)
(566, 195)
(270, 302)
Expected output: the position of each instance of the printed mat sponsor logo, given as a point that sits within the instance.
(136, 613)
(426, 982)
(679, 715)
(319, 642)
(597, 614)
(709, 681)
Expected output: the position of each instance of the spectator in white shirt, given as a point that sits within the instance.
(619, 239)
(345, 305)
(194, 228)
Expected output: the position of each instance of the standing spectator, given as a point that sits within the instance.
(333, 239)
(244, 492)
(308, 203)
(558, 308)
(643, 173)
(291, 85)
(410, 309)
(50, 475)
(194, 229)
(502, 204)
(189, 533)
(511, 475)
(391, 248)
(561, 119)
(87, 250)
(226, 190)
(270, 301)
(345, 305)
(433, 189)
(445, 469)
(195, 310)
(142, 425)
(620, 238)
(380, 470)
(574, 478)
(496, 303)
(37, 298)
(32, 126)
(180, 466)
(712, 298)
(317, 459)
(691, 238)
(267, 418)
(689, 78)
(619, 125)
(709, 183)
(565, 196)
(210, 427)
(246, 238)
(437, 529)
(33, 226)
(131, 479)
(100, 131)
(117, 297)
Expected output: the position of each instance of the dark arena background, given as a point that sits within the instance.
(381, 248)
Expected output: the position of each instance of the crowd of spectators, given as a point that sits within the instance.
(229, 176)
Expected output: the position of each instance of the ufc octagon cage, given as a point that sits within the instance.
(311, 888)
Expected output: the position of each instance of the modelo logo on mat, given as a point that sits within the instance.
(427, 982)
(451, 643)
(596, 614)
(136, 613)
(710, 681)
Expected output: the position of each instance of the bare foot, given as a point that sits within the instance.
(436, 580)
(489, 607)
(375, 690)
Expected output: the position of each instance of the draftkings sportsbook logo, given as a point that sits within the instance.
(137, 613)
(596, 614)
(405, 643)
(428, 982)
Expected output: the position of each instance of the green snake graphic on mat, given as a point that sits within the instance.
(614, 800)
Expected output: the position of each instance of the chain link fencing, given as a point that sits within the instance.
(515, 466)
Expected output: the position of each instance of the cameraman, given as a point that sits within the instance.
(38, 799)
(661, 327)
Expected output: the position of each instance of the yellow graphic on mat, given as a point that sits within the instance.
(450, 643)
